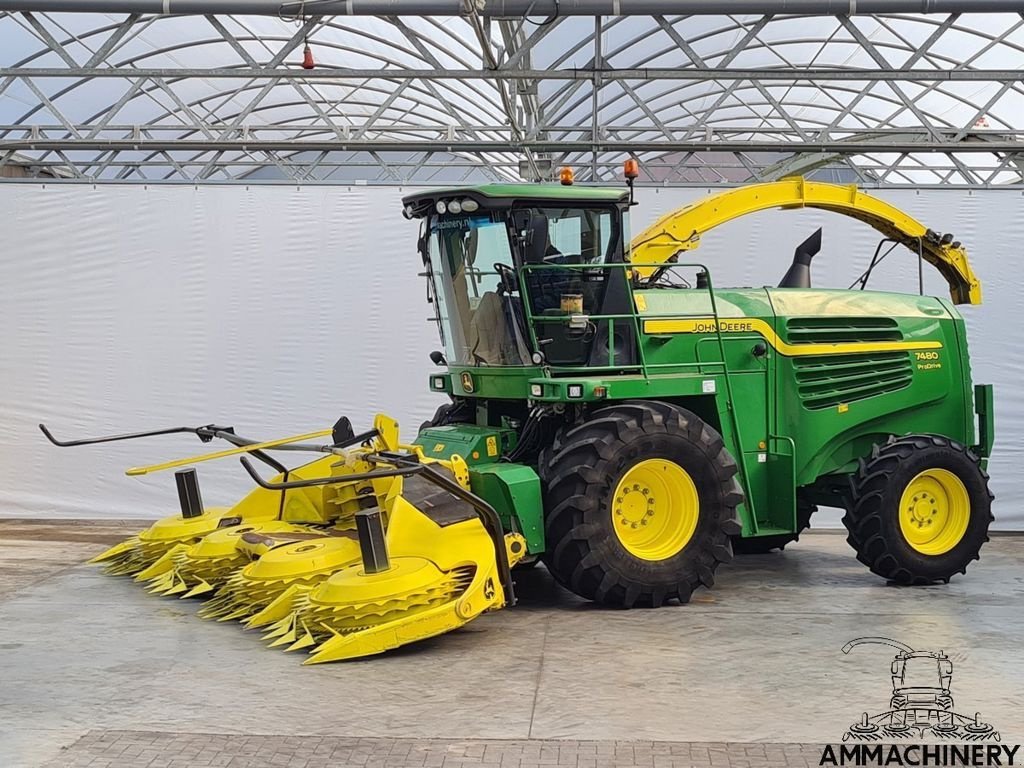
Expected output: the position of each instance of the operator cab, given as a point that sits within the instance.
(516, 273)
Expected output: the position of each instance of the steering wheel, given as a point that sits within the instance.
(508, 277)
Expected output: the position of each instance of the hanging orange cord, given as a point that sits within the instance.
(308, 62)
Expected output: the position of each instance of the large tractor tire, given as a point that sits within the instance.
(760, 545)
(919, 509)
(640, 505)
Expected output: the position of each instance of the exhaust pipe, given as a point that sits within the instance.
(799, 273)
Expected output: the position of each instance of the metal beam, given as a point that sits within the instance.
(683, 169)
(500, 145)
(442, 133)
(511, 8)
(698, 114)
(582, 73)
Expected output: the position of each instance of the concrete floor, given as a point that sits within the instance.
(756, 659)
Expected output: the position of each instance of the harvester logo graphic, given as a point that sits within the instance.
(921, 706)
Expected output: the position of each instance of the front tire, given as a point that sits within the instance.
(919, 510)
(640, 505)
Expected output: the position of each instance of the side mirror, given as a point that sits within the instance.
(421, 243)
(437, 358)
(521, 221)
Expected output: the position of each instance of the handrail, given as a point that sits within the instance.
(729, 401)
(634, 316)
(631, 268)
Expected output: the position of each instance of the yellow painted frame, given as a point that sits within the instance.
(682, 229)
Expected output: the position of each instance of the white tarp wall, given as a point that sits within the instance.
(276, 309)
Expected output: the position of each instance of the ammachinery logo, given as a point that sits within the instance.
(920, 727)
(920, 754)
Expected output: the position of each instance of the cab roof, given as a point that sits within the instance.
(502, 194)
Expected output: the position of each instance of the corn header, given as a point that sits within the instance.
(610, 412)
(350, 555)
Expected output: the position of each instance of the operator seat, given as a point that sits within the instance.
(490, 338)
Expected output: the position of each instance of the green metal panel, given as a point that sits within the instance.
(835, 407)
(657, 387)
(966, 384)
(779, 508)
(514, 491)
(983, 406)
(476, 444)
(503, 383)
(770, 483)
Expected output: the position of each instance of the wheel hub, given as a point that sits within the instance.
(923, 508)
(655, 509)
(634, 505)
(934, 512)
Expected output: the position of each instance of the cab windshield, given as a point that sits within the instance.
(473, 260)
(480, 323)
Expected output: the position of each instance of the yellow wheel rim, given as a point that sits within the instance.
(934, 512)
(655, 509)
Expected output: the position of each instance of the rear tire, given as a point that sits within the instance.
(691, 487)
(761, 545)
(919, 510)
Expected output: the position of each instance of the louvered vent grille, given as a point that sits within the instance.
(841, 330)
(825, 381)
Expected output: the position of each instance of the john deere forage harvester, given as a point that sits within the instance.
(612, 412)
